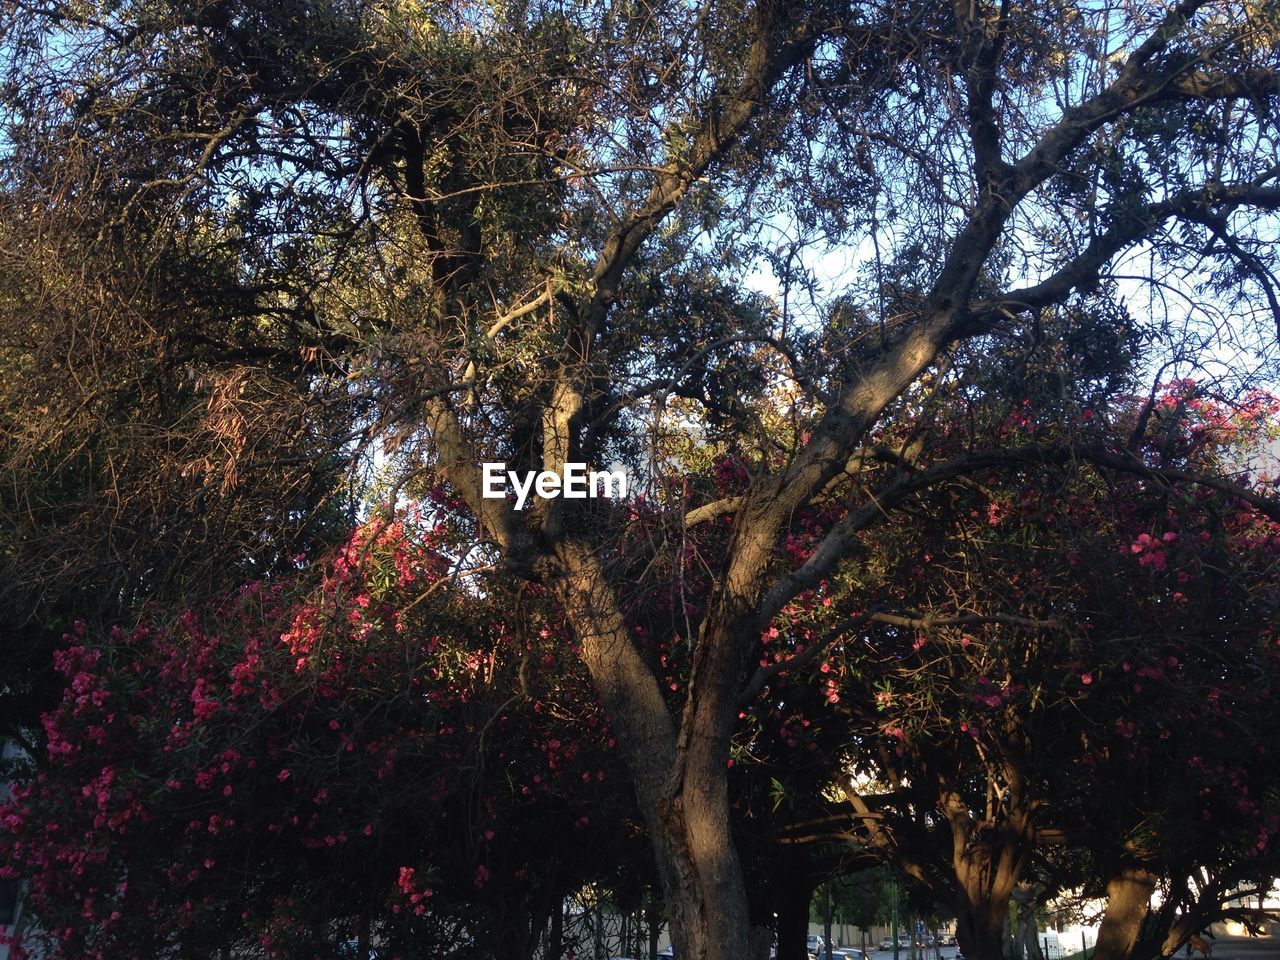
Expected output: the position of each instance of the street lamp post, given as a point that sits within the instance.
(895, 920)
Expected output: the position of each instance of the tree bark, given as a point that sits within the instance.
(761, 940)
(980, 926)
(1128, 904)
(681, 783)
(1025, 944)
(1029, 934)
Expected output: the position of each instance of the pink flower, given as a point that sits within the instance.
(405, 881)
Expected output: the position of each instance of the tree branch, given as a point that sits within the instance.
(840, 539)
(1084, 270)
(982, 44)
(775, 47)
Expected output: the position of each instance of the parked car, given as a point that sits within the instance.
(904, 942)
(847, 953)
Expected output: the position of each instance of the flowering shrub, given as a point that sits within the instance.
(384, 742)
(272, 769)
(1080, 653)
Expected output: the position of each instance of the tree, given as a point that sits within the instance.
(536, 220)
(1073, 699)
(155, 448)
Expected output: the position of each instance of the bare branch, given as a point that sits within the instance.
(1084, 270)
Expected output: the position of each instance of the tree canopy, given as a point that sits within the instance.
(768, 256)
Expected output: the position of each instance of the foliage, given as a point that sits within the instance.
(1075, 674)
(539, 233)
(157, 446)
(390, 748)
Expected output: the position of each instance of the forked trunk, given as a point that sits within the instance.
(983, 909)
(980, 933)
(988, 865)
(681, 780)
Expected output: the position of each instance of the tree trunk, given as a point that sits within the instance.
(826, 920)
(702, 880)
(1029, 933)
(1128, 904)
(681, 782)
(988, 868)
(362, 936)
(1025, 942)
(761, 940)
(654, 924)
(980, 925)
(555, 936)
(792, 904)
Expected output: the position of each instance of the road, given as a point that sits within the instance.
(1224, 948)
(1246, 948)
